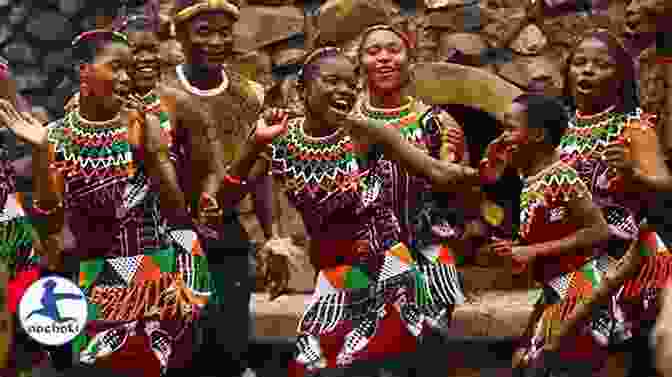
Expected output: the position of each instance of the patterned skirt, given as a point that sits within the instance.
(142, 308)
(637, 301)
(433, 228)
(557, 302)
(442, 284)
(361, 312)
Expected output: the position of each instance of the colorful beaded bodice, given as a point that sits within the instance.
(589, 136)
(545, 215)
(424, 216)
(583, 148)
(322, 175)
(544, 198)
(112, 210)
(99, 152)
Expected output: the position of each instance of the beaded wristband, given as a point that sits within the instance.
(233, 180)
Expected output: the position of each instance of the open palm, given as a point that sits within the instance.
(26, 128)
(278, 120)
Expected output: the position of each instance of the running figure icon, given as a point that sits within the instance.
(49, 299)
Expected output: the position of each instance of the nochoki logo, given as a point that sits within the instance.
(53, 311)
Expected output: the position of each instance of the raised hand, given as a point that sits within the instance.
(496, 159)
(617, 156)
(24, 126)
(274, 124)
(503, 248)
(507, 248)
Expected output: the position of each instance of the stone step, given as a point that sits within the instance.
(500, 313)
(479, 343)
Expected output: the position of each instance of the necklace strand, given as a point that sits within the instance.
(200, 92)
(96, 124)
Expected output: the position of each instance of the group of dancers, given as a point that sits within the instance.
(140, 179)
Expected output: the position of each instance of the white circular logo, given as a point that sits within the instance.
(53, 311)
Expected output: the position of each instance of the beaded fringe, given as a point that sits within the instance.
(654, 273)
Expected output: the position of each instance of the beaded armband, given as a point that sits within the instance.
(234, 180)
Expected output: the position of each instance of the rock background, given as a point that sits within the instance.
(35, 35)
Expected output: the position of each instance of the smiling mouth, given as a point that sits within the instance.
(585, 85)
(386, 71)
(147, 70)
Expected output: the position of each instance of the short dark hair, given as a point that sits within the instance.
(140, 23)
(547, 113)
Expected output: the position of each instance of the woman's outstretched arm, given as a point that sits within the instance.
(443, 174)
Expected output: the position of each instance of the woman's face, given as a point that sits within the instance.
(594, 73)
(516, 133)
(385, 58)
(332, 86)
(107, 77)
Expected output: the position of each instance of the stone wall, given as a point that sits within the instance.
(34, 37)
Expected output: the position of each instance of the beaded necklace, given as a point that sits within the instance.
(95, 152)
(153, 102)
(200, 92)
(556, 182)
(309, 162)
(403, 118)
(589, 135)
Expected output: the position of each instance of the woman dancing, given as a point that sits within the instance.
(145, 285)
(614, 148)
(365, 306)
(431, 224)
(559, 227)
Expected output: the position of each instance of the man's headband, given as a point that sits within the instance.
(206, 6)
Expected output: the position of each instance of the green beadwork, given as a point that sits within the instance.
(602, 133)
(109, 148)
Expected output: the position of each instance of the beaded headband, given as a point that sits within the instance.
(92, 35)
(385, 27)
(204, 6)
(317, 54)
(138, 22)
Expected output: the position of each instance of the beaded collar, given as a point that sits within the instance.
(387, 114)
(557, 180)
(200, 92)
(100, 152)
(404, 118)
(591, 134)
